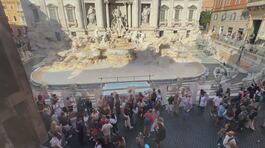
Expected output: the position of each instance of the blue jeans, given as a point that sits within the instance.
(201, 108)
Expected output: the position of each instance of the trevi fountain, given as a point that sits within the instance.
(121, 54)
(106, 56)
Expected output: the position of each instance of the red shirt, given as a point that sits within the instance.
(149, 116)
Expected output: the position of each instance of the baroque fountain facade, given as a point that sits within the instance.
(133, 38)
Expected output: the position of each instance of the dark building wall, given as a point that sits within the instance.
(20, 122)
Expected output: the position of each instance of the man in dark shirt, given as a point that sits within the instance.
(153, 95)
(160, 134)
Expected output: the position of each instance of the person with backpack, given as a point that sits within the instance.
(160, 134)
(229, 114)
(242, 118)
(229, 140)
(222, 133)
(251, 118)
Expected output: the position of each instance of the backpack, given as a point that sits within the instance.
(243, 115)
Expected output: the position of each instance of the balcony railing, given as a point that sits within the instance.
(234, 41)
(258, 49)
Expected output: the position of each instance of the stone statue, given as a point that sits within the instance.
(118, 22)
(91, 15)
(145, 15)
(141, 37)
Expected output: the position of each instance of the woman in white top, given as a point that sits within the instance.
(203, 102)
(56, 141)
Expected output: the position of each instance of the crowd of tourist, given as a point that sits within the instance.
(235, 113)
(99, 125)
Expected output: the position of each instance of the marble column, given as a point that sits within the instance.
(171, 14)
(61, 13)
(99, 13)
(79, 14)
(130, 14)
(135, 16)
(185, 13)
(107, 13)
(154, 16)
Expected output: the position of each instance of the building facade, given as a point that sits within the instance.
(257, 21)
(17, 23)
(230, 19)
(207, 5)
(81, 17)
(15, 16)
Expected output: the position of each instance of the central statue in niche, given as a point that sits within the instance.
(119, 23)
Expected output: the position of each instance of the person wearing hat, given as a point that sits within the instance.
(229, 140)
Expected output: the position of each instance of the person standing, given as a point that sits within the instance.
(117, 104)
(153, 95)
(135, 114)
(170, 104)
(80, 127)
(148, 121)
(113, 121)
(98, 143)
(176, 103)
(56, 141)
(160, 134)
(203, 101)
(121, 142)
(106, 130)
(251, 118)
(140, 140)
(89, 106)
(229, 140)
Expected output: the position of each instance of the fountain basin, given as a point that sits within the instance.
(134, 71)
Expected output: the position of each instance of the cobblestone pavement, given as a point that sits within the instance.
(192, 130)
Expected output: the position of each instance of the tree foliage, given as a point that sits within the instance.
(205, 18)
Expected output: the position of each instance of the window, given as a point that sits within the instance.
(163, 13)
(187, 33)
(244, 14)
(177, 13)
(215, 16)
(73, 33)
(223, 17)
(230, 31)
(36, 15)
(221, 30)
(15, 18)
(240, 34)
(213, 29)
(228, 2)
(70, 13)
(53, 12)
(233, 16)
(191, 15)
(237, 2)
(191, 12)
